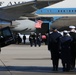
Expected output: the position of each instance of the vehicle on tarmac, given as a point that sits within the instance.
(6, 37)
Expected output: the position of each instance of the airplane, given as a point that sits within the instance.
(12, 11)
(65, 11)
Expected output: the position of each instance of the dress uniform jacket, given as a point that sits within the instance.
(53, 44)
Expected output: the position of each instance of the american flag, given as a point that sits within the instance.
(38, 24)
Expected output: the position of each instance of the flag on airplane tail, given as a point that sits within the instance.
(38, 24)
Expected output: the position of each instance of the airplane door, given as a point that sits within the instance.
(44, 28)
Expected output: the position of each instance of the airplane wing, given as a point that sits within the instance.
(13, 12)
(44, 3)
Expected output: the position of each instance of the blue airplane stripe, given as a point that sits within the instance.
(57, 11)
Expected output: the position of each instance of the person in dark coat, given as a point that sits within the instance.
(65, 42)
(35, 39)
(39, 39)
(19, 39)
(24, 38)
(73, 45)
(53, 47)
(31, 39)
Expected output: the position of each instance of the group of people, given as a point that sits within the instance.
(35, 39)
(63, 46)
(18, 39)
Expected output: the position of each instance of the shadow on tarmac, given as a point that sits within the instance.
(39, 69)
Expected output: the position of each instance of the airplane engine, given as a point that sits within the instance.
(63, 23)
(24, 25)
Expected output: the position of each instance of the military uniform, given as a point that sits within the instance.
(73, 45)
(24, 39)
(35, 39)
(53, 47)
(65, 42)
(31, 40)
(39, 39)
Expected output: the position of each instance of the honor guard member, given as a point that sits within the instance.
(73, 45)
(24, 38)
(31, 39)
(53, 47)
(35, 39)
(19, 39)
(39, 39)
(65, 42)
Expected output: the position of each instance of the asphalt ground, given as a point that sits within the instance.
(26, 60)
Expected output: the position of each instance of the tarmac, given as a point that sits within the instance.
(26, 60)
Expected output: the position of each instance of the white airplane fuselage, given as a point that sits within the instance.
(11, 10)
(66, 8)
(63, 8)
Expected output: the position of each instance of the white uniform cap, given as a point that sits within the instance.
(71, 26)
(65, 31)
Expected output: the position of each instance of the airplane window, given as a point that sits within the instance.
(63, 10)
(58, 10)
(48, 10)
(69, 10)
(72, 11)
